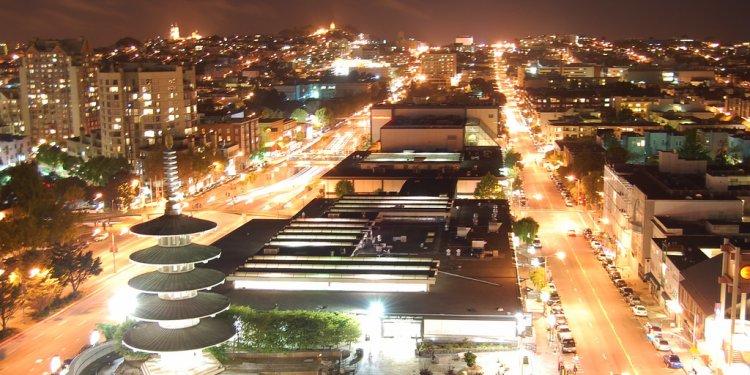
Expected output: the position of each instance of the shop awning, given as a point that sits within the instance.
(650, 278)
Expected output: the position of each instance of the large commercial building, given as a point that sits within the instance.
(387, 249)
(139, 102)
(58, 89)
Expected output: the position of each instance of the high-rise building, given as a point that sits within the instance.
(140, 102)
(439, 68)
(58, 89)
(174, 32)
(10, 112)
(3, 48)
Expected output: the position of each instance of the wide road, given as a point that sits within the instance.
(277, 191)
(609, 339)
(67, 331)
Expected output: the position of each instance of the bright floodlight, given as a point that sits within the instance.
(538, 196)
(94, 337)
(535, 262)
(544, 296)
(376, 309)
(561, 255)
(122, 304)
(55, 363)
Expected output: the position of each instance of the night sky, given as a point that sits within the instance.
(434, 21)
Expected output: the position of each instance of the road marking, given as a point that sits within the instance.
(604, 311)
(604, 356)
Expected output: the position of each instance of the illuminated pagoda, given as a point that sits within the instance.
(176, 315)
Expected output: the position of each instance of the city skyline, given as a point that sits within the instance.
(105, 22)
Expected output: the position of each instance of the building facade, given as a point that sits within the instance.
(58, 89)
(241, 131)
(14, 149)
(10, 112)
(439, 68)
(140, 102)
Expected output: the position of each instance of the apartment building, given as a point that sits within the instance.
(58, 89)
(140, 102)
(10, 112)
(634, 195)
(439, 68)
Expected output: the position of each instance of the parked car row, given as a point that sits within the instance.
(560, 322)
(563, 190)
(653, 331)
(654, 335)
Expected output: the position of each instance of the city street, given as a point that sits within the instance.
(277, 192)
(67, 331)
(609, 338)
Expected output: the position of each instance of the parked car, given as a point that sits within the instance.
(626, 291)
(653, 331)
(640, 310)
(596, 244)
(568, 345)
(563, 332)
(568, 202)
(620, 283)
(588, 233)
(560, 320)
(661, 344)
(101, 236)
(537, 243)
(672, 361)
(634, 300)
(615, 275)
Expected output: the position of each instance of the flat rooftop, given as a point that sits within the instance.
(429, 121)
(471, 163)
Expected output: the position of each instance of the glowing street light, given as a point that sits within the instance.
(94, 337)
(376, 309)
(34, 271)
(560, 255)
(55, 363)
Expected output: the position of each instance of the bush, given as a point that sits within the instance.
(281, 331)
(470, 359)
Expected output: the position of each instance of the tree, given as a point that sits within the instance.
(70, 191)
(517, 183)
(538, 277)
(488, 188)
(692, 148)
(512, 158)
(470, 359)
(11, 298)
(324, 116)
(72, 266)
(299, 115)
(614, 152)
(280, 331)
(344, 188)
(271, 113)
(526, 229)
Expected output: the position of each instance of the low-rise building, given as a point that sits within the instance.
(634, 195)
(14, 149)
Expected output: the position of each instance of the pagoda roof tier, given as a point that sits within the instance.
(172, 225)
(157, 282)
(150, 337)
(163, 256)
(152, 308)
